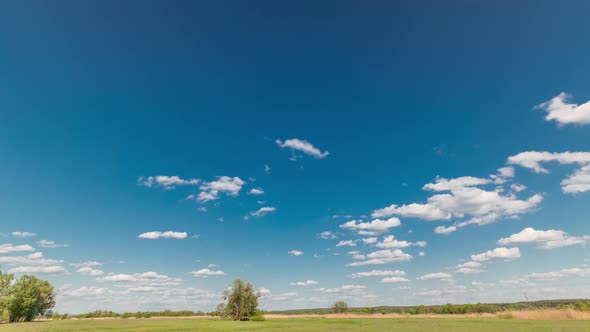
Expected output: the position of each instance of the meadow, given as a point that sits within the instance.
(306, 324)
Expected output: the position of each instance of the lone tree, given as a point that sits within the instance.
(340, 307)
(241, 299)
(24, 299)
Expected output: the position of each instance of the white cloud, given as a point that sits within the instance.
(437, 275)
(23, 234)
(304, 283)
(223, 184)
(421, 211)
(165, 235)
(256, 191)
(207, 273)
(86, 291)
(442, 184)
(370, 240)
(38, 270)
(166, 182)
(560, 111)
(378, 273)
(327, 235)
(303, 146)
(382, 257)
(469, 270)
(445, 230)
(498, 253)
(87, 264)
(377, 226)
(35, 259)
(9, 248)
(576, 183)
(349, 243)
(561, 274)
(390, 242)
(266, 169)
(90, 271)
(295, 253)
(394, 280)
(51, 244)
(151, 279)
(549, 239)
(263, 211)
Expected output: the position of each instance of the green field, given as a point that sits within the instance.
(300, 324)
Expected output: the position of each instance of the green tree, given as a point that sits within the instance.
(5, 296)
(340, 307)
(29, 297)
(241, 299)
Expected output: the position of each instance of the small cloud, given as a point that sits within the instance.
(295, 253)
(165, 235)
(23, 234)
(202, 273)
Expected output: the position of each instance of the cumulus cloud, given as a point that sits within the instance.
(420, 211)
(166, 182)
(462, 198)
(394, 280)
(36, 259)
(445, 230)
(207, 273)
(349, 243)
(263, 211)
(549, 239)
(576, 183)
(378, 273)
(437, 275)
(256, 191)
(303, 146)
(498, 253)
(23, 234)
(224, 184)
(442, 184)
(90, 271)
(380, 257)
(469, 268)
(295, 253)
(165, 235)
(370, 240)
(377, 226)
(9, 248)
(391, 242)
(560, 111)
(145, 279)
(304, 283)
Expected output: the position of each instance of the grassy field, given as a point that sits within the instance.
(305, 324)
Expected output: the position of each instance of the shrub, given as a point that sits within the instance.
(340, 307)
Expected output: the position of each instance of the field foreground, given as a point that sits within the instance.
(306, 324)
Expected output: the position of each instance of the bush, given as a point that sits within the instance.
(257, 316)
(340, 307)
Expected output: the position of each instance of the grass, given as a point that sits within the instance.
(306, 324)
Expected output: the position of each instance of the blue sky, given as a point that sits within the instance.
(404, 139)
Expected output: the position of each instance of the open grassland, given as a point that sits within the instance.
(307, 324)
